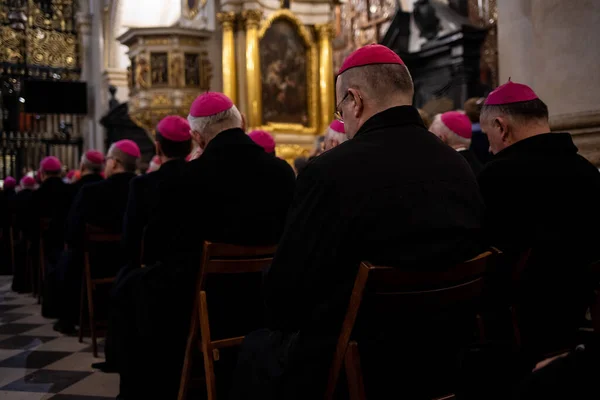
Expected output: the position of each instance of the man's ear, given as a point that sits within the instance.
(358, 103)
(503, 126)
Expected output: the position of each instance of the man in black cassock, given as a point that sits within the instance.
(7, 209)
(91, 167)
(234, 193)
(540, 195)
(51, 201)
(173, 144)
(393, 194)
(102, 205)
(454, 129)
(70, 269)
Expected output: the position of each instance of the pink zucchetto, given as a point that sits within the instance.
(369, 55)
(70, 174)
(174, 128)
(210, 103)
(94, 157)
(337, 126)
(50, 163)
(510, 92)
(458, 123)
(264, 140)
(10, 182)
(27, 181)
(128, 147)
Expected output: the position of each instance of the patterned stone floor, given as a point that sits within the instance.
(38, 363)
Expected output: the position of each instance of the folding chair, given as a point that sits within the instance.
(217, 259)
(399, 292)
(44, 228)
(93, 237)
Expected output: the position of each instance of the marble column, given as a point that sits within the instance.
(326, 88)
(550, 45)
(253, 79)
(227, 20)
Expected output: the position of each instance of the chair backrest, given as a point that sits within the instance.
(223, 258)
(414, 292)
(95, 234)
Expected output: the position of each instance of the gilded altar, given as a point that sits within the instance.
(280, 75)
(169, 68)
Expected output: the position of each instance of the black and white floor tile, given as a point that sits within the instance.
(37, 363)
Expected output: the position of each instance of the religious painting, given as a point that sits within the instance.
(283, 62)
(159, 64)
(192, 69)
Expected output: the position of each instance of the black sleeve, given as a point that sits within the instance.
(134, 222)
(306, 253)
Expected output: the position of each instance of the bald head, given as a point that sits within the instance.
(124, 162)
(367, 90)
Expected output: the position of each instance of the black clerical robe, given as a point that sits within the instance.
(7, 210)
(541, 194)
(101, 204)
(141, 205)
(394, 195)
(234, 193)
(474, 163)
(83, 181)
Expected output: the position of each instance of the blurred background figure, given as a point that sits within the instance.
(154, 164)
(264, 140)
(454, 129)
(335, 135)
(480, 146)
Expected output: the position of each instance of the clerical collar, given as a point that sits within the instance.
(461, 149)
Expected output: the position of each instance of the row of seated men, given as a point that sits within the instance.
(393, 194)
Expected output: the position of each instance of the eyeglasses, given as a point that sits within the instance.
(338, 114)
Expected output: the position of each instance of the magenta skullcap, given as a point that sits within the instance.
(510, 92)
(27, 181)
(458, 123)
(369, 55)
(210, 103)
(10, 182)
(94, 157)
(174, 128)
(263, 139)
(71, 174)
(128, 147)
(50, 163)
(337, 126)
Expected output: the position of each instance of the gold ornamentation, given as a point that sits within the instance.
(327, 90)
(205, 72)
(159, 100)
(311, 79)
(228, 67)
(157, 41)
(253, 80)
(10, 45)
(51, 48)
(192, 8)
(188, 41)
(251, 18)
(289, 152)
(142, 69)
(176, 73)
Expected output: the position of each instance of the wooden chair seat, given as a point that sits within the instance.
(94, 236)
(217, 259)
(395, 291)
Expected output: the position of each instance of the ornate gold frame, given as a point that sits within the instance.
(312, 76)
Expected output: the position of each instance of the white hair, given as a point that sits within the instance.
(442, 131)
(331, 136)
(210, 126)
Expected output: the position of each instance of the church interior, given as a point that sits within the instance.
(115, 87)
